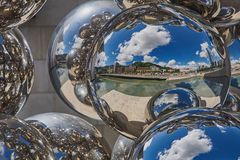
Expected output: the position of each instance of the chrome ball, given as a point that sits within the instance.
(170, 100)
(69, 50)
(71, 137)
(19, 140)
(16, 12)
(206, 8)
(188, 135)
(140, 54)
(16, 71)
(122, 148)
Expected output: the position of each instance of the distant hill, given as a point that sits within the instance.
(148, 64)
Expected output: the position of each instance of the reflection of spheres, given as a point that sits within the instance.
(15, 12)
(227, 20)
(207, 8)
(16, 71)
(69, 51)
(169, 100)
(192, 134)
(140, 53)
(229, 14)
(122, 148)
(232, 103)
(18, 140)
(70, 136)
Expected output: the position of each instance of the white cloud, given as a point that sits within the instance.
(124, 58)
(147, 144)
(143, 42)
(205, 51)
(163, 64)
(77, 43)
(203, 64)
(203, 54)
(192, 63)
(167, 99)
(108, 38)
(204, 46)
(101, 60)
(65, 29)
(171, 63)
(149, 59)
(235, 61)
(60, 48)
(188, 147)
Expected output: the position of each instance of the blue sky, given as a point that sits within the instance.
(234, 50)
(197, 144)
(183, 45)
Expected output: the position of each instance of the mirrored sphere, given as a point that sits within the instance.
(69, 50)
(190, 135)
(122, 148)
(169, 100)
(20, 141)
(206, 8)
(144, 51)
(71, 137)
(16, 12)
(16, 71)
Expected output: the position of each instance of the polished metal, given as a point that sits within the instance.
(227, 21)
(191, 134)
(70, 137)
(16, 12)
(206, 8)
(19, 140)
(147, 49)
(232, 103)
(16, 71)
(229, 14)
(69, 50)
(169, 100)
(122, 148)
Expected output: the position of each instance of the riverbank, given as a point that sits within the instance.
(143, 77)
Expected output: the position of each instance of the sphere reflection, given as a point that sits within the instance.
(142, 52)
(122, 148)
(192, 134)
(232, 103)
(229, 14)
(70, 136)
(16, 71)
(16, 12)
(69, 51)
(18, 140)
(169, 100)
(206, 8)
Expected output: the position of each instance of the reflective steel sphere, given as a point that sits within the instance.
(144, 51)
(18, 140)
(16, 12)
(169, 100)
(189, 135)
(16, 71)
(206, 8)
(122, 148)
(69, 50)
(71, 137)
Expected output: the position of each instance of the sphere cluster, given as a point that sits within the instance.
(165, 74)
